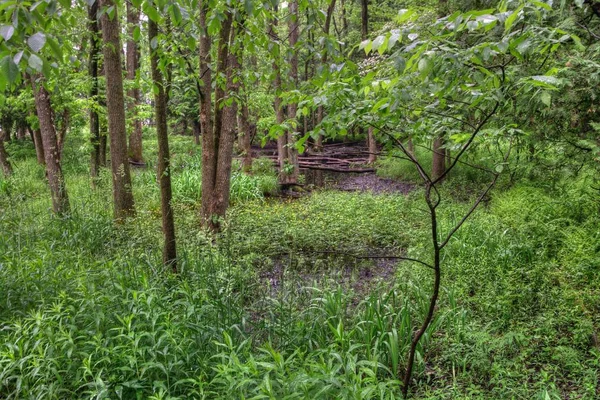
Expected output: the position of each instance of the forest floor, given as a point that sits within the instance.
(292, 298)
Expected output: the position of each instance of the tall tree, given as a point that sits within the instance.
(115, 100)
(364, 19)
(294, 34)
(133, 65)
(94, 33)
(218, 135)
(164, 163)
(56, 181)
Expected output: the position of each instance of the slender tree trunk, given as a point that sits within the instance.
(94, 32)
(56, 181)
(206, 124)
(36, 136)
(39, 146)
(282, 155)
(372, 145)
(294, 33)
(196, 129)
(364, 19)
(326, 29)
(133, 65)
(6, 167)
(122, 190)
(163, 166)
(434, 296)
(217, 143)
(438, 166)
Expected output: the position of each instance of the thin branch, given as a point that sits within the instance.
(476, 204)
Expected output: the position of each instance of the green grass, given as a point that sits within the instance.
(265, 310)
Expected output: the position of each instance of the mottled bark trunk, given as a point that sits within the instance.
(438, 166)
(6, 167)
(115, 100)
(56, 181)
(133, 65)
(206, 113)
(163, 165)
(217, 144)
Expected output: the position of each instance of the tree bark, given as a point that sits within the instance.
(6, 167)
(438, 166)
(163, 165)
(294, 27)
(372, 145)
(364, 19)
(133, 65)
(56, 181)
(95, 161)
(196, 129)
(39, 146)
(218, 139)
(122, 190)
(206, 113)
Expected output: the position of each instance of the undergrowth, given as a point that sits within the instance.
(278, 306)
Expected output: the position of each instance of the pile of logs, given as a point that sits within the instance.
(336, 157)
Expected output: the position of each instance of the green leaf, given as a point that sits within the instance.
(6, 31)
(151, 12)
(512, 18)
(9, 68)
(136, 33)
(35, 62)
(55, 47)
(36, 41)
(546, 98)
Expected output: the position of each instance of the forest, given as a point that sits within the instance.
(326, 199)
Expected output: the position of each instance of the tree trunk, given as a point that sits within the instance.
(218, 139)
(56, 181)
(39, 146)
(133, 65)
(438, 166)
(326, 28)
(122, 190)
(372, 144)
(163, 165)
(206, 113)
(364, 19)
(6, 167)
(95, 161)
(294, 27)
(196, 129)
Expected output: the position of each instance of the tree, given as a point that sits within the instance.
(94, 32)
(218, 135)
(364, 18)
(163, 165)
(133, 65)
(56, 180)
(115, 100)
